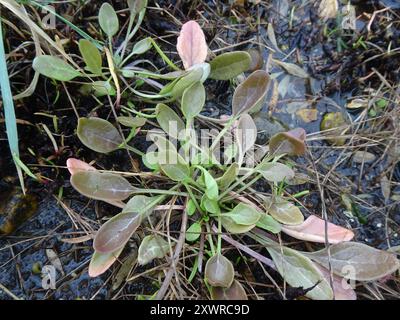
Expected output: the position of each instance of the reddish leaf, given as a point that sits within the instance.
(291, 142)
(101, 262)
(191, 45)
(313, 229)
(76, 165)
(341, 288)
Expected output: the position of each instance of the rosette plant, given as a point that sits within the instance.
(214, 200)
(208, 187)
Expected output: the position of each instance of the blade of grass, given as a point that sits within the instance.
(9, 112)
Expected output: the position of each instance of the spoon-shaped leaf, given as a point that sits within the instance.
(249, 96)
(91, 55)
(76, 165)
(132, 122)
(268, 223)
(193, 232)
(174, 166)
(98, 134)
(137, 5)
(116, 232)
(191, 44)
(193, 100)
(229, 65)
(244, 214)
(300, 271)
(234, 292)
(275, 171)
(209, 205)
(284, 211)
(186, 81)
(142, 46)
(54, 68)
(357, 261)
(235, 228)
(219, 271)
(101, 186)
(152, 246)
(101, 262)
(313, 229)
(169, 121)
(291, 142)
(210, 184)
(108, 19)
(101, 88)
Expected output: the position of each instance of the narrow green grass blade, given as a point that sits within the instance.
(8, 104)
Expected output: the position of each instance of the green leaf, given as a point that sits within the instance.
(9, 109)
(91, 55)
(209, 205)
(186, 81)
(169, 121)
(193, 100)
(191, 207)
(141, 46)
(210, 184)
(54, 68)
(98, 88)
(132, 122)
(268, 223)
(229, 65)
(174, 166)
(234, 292)
(231, 226)
(228, 177)
(275, 171)
(101, 262)
(103, 88)
(101, 186)
(249, 96)
(150, 160)
(193, 232)
(152, 246)
(219, 271)
(284, 211)
(137, 5)
(98, 134)
(244, 214)
(108, 19)
(141, 204)
(300, 271)
(357, 261)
